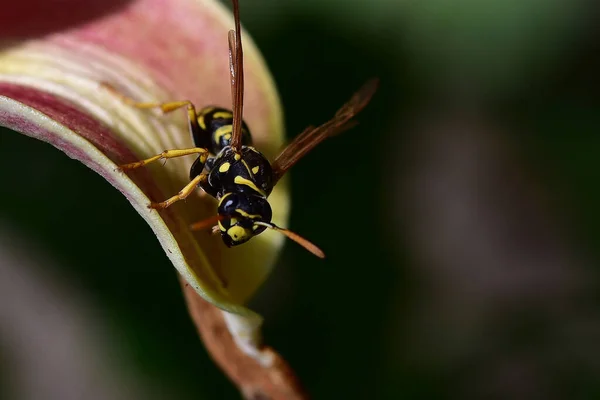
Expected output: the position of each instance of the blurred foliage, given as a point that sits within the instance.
(531, 62)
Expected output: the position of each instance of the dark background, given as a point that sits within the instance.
(460, 219)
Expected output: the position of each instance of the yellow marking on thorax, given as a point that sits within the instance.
(224, 167)
(233, 221)
(237, 157)
(224, 130)
(245, 214)
(256, 169)
(243, 181)
(247, 168)
(221, 227)
(223, 114)
(237, 233)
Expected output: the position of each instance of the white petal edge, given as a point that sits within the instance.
(102, 165)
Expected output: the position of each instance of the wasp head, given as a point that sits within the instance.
(240, 212)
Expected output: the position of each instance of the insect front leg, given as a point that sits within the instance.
(166, 155)
(197, 169)
(183, 193)
(197, 177)
(167, 107)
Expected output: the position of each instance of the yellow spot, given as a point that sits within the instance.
(233, 221)
(223, 114)
(227, 136)
(245, 214)
(237, 157)
(256, 169)
(243, 181)
(224, 167)
(238, 234)
(224, 130)
(221, 227)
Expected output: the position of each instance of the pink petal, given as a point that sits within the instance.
(162, 50)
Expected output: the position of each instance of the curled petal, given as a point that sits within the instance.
(152, 50)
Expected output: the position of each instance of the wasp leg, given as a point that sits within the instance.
(168, 154)
(165, 107)
(196, 169)
(185, 192)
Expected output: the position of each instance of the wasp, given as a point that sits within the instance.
(229, 168)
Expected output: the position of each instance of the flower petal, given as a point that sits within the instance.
(152, 50)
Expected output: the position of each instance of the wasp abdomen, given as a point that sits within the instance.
(216, 129)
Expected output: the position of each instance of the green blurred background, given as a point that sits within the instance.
(460, 218)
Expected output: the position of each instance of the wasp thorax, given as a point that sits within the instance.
(240, 212)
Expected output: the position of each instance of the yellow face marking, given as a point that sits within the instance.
(245, 214)
(243, 181)
(224, 130)
(238, 234)
(224, 168)
(256, 169)
(223, 114)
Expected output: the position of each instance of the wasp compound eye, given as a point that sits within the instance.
(229, 203)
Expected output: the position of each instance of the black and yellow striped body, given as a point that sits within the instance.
(241, 182)
(215, 129)
(213, 132)
(248, 172)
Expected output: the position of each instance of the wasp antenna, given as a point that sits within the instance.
(207, 223)
(295, 237)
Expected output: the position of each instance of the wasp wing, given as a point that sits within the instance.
(236, 72)
(312, 136)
